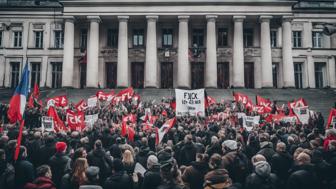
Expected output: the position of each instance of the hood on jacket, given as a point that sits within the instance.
(262, 168)
(266, 144)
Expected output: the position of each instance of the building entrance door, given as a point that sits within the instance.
(82, 69)
(167, 75)
(111, 75)
(138, 74)
(223, 75)
(197, 75)
(249, 75)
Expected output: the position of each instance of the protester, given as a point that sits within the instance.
(121, 147)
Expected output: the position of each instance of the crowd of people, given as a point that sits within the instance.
(212, 152)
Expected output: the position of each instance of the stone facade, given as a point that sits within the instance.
(111, 43)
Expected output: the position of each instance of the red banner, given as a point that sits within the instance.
(81, 106)
(61, 101)
(75, 120)
(331, 118)
(105, 96)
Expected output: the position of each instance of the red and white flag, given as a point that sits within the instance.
(331, 119)
(160, 132)
(60, 101)
(105, 96)
(209, 101)
(126, 94)
(75, 120)
(301, 102)
(81, 106)
(240, 97)
(266, 103)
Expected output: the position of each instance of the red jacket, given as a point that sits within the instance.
(41, 183)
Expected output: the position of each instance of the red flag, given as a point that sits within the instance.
(75, 120)
(123, 129)
(265, 103)
(131, 134)
(105, 96)
(131, 118)
(61, 101)
(331, 119)
(209, 101)
(31, 101)
(297, 103)
(240, 97)
(58, 123)
(126, 94)
(164, 130)
(81, 106)
(164, 113)
(173, 104)
(36, 91)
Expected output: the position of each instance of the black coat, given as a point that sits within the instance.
(100, 159)
(24, 173)
(60, 165)
(255, 181)
(194, 175)
(152, 178)
(303, 177)
(187, 154)
(119, 180)
(45, 153)
(267, 151)
(281, 163)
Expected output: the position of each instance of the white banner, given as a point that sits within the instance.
(92, 101)
(302, 113)
(250, 121)
(91, 119)
(47, 124)
(190, 102)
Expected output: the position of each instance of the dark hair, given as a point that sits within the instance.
(98, 144)
(42, 170)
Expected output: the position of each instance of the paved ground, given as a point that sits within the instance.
(318, 99)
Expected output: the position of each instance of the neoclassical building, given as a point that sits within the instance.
(168, 43)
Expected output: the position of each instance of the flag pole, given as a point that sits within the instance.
(18, 143)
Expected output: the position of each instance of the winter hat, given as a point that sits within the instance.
(230, 144)
(216, 176)
(61, 146)
(92, 171)
(262, 168)
(152, 160)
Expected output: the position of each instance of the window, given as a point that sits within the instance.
(38, 39)
(319, 72)
(222, 37)
(298, 75)
(15, 73)
(273, 38)
(297, 39)
(83, 39)
(56, 80)
(248, 37)
(167, 35)
(275, 75)
(198, 37)
(35, 74)
(59, 39)
(317, 39)
(112, 38)
(138, 37)
(17, 39)
(1, 38)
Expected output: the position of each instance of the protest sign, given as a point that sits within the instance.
(190, 102)
(47, 124)
(92, 101)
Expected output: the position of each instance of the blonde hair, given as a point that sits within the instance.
(127, 158)
(78, 174)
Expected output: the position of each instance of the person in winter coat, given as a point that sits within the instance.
(188, 151)
(98, 157)
(7, 172)
(152, 178)
(281, 162)
(266, 149)
(262, 177)
(24, 170)
(219, 179)
(59, 163)
(47, 150)
(128, 162)
(303, 175)
(119, 178)
(43, 180)
(214, 147)
(77, 177)
(194, 174)
(92, 174)
(330, 135)
(234, 161)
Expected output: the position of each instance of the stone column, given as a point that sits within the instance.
(287, 56)
(238, 52)
(123, 65)
(68, 53)
(183, 64)
(151, 66)
(211, 53)
(311, 71)
(92, 70)
(332, 77)
(266, 52)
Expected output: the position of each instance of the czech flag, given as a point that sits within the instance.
(17, 103)
(17, 106)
